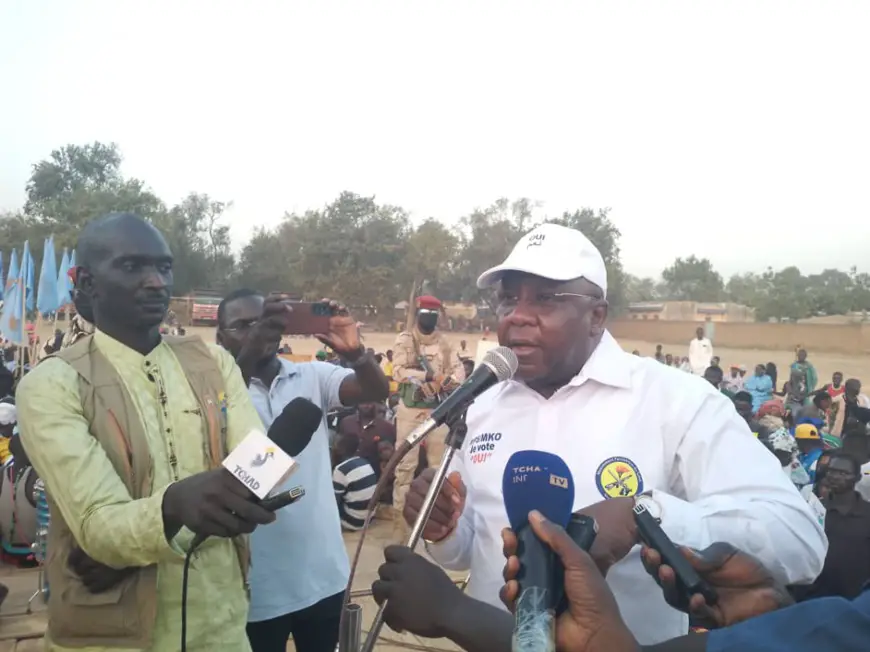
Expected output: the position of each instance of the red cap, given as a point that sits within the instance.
(428, 302)
(71, 273)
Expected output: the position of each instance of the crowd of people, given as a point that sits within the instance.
(127, 425)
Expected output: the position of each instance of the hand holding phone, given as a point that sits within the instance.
(688, 582)
(307, 318)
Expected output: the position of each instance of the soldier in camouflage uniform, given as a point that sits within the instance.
(427, 370)
(81, 324)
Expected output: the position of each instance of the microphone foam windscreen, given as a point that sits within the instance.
(535, 480)
(293, 428)
(502, 361)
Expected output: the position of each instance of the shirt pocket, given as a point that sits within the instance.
(190, 439)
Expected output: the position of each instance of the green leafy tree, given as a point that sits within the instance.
(692, 279)
(640, 289)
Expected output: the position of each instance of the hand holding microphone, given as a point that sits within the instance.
(225, 502)
(213, 503)
(592, 621)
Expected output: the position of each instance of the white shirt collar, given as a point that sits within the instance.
(608, 365)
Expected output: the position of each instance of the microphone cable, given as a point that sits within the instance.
(401, 451)
(184, 578)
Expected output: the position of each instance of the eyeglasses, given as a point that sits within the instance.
(542, 303)
(241, 327)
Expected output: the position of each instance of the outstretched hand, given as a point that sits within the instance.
(745, 588)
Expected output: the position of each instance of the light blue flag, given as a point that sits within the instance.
(27, 275)
(63, 289)
(12, 318)
(2, 282)
(46, 297)
(13, 270)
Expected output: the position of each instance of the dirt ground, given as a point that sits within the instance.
(855, 366)
(827, 363)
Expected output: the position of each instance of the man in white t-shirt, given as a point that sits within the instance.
(700, 352)
(630, 430)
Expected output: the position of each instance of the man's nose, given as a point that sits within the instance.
(154, 280)
(522, 314)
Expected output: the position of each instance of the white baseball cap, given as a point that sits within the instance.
(554, 252)
(8, 414)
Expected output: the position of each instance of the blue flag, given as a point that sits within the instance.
(28, 276)
(63, 289)
(2, 282)
(46, 298)
(13, 270)
(12, 317)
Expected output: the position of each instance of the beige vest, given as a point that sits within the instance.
(124, 615)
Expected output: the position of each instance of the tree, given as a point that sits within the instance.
(692, 279)
(746, 289)
(354, 249)
(640, 289)
(486, 238)
(199, 242)
(78, 183)
(430, 258)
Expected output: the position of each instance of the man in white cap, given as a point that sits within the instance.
(630, 430)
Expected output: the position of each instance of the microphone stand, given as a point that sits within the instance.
(455, 440)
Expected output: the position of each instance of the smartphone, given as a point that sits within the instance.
(688, 581)
(307, 318)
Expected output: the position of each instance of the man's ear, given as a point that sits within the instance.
(598, 319)
(84, 281)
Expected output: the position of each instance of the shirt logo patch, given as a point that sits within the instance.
(618, 477)
(480, 448)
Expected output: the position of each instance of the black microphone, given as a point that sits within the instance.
(291, 431)
(497, 365)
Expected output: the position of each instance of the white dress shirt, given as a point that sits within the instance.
(863, 486)
(633, 417)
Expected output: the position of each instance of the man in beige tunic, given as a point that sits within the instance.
(427, 370)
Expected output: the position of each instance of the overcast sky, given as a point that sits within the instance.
(739, 131)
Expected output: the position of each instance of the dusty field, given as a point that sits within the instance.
(857, 366)
(826, 363)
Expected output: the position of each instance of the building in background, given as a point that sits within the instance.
(691, 311)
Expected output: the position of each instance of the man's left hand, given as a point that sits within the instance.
(96, 577)
(617, 531)
(343, 335)
(422, 598)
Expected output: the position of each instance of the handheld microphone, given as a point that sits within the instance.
(499, 364)
(263, 462)
(535, 480)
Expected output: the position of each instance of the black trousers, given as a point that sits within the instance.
(314, 629)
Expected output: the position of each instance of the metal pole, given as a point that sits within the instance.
(455, 439)
(350, 636)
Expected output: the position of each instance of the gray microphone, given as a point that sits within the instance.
(498, 364)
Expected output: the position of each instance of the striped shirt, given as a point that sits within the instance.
(354, 482)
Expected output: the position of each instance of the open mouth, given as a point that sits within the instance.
(523, 348)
